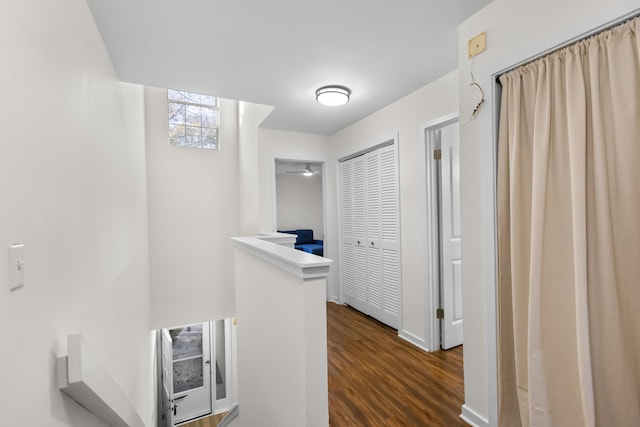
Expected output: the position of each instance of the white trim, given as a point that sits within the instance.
(224, 404)
(491, 259)
(284, 239)
(413, 339)
(472, 418)
(386, 141)
(439, 122)
(300, 264)
(432, 283)
(396, 147)
(274, 197)
(339, 285)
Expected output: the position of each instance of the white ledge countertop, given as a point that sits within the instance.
(298, 263)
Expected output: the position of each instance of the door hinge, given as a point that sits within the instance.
(440, 313)
(437, 154)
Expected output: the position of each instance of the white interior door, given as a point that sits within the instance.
(188, 370)
(451, 262)
(167, 379)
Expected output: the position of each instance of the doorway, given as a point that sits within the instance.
(444, 287)
(195, 366)
(299, 197)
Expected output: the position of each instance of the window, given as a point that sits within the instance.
(193, 119)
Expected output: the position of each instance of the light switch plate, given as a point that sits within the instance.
(16, 266)
(478, 44)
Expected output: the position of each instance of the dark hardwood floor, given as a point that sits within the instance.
(378, 379)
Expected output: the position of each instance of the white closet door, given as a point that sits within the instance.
(374, 226)
(348, 254)
(354, 231)
(359, 234)
(390, 236)
(370, 235)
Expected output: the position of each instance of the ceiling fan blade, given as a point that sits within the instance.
(307, 170)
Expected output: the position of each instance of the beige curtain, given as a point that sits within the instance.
(569, 236)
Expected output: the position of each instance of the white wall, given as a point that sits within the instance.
(299, 203)
(73, 185)
(249, 117)
(404, 117)
(516, 30)
(193, 212)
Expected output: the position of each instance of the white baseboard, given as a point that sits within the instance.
(418, 342)
(472, 418)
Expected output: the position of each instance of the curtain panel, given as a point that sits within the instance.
(569, 236)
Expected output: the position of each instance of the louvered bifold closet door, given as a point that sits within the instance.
(360, 235)
(348, 260)
(370, 234)
(354, 229)
(374, 231)
(390, 237)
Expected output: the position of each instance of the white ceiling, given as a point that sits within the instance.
(279, 52)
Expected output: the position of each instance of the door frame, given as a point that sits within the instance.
(222, 405)
(432, 237)
(274, 204)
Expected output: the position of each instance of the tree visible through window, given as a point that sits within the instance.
(193, 119)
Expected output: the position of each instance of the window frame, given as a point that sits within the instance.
(185, 103)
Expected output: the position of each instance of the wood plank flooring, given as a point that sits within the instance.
(210, 421)
(378, 379)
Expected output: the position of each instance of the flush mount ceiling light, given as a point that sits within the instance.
(333, 96)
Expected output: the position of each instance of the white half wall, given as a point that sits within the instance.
(73, 185)
(282, 336)
(299, 203)
(404, 117)
(516, 31)
(193, 212)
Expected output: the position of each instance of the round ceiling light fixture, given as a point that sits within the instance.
(333, 95)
